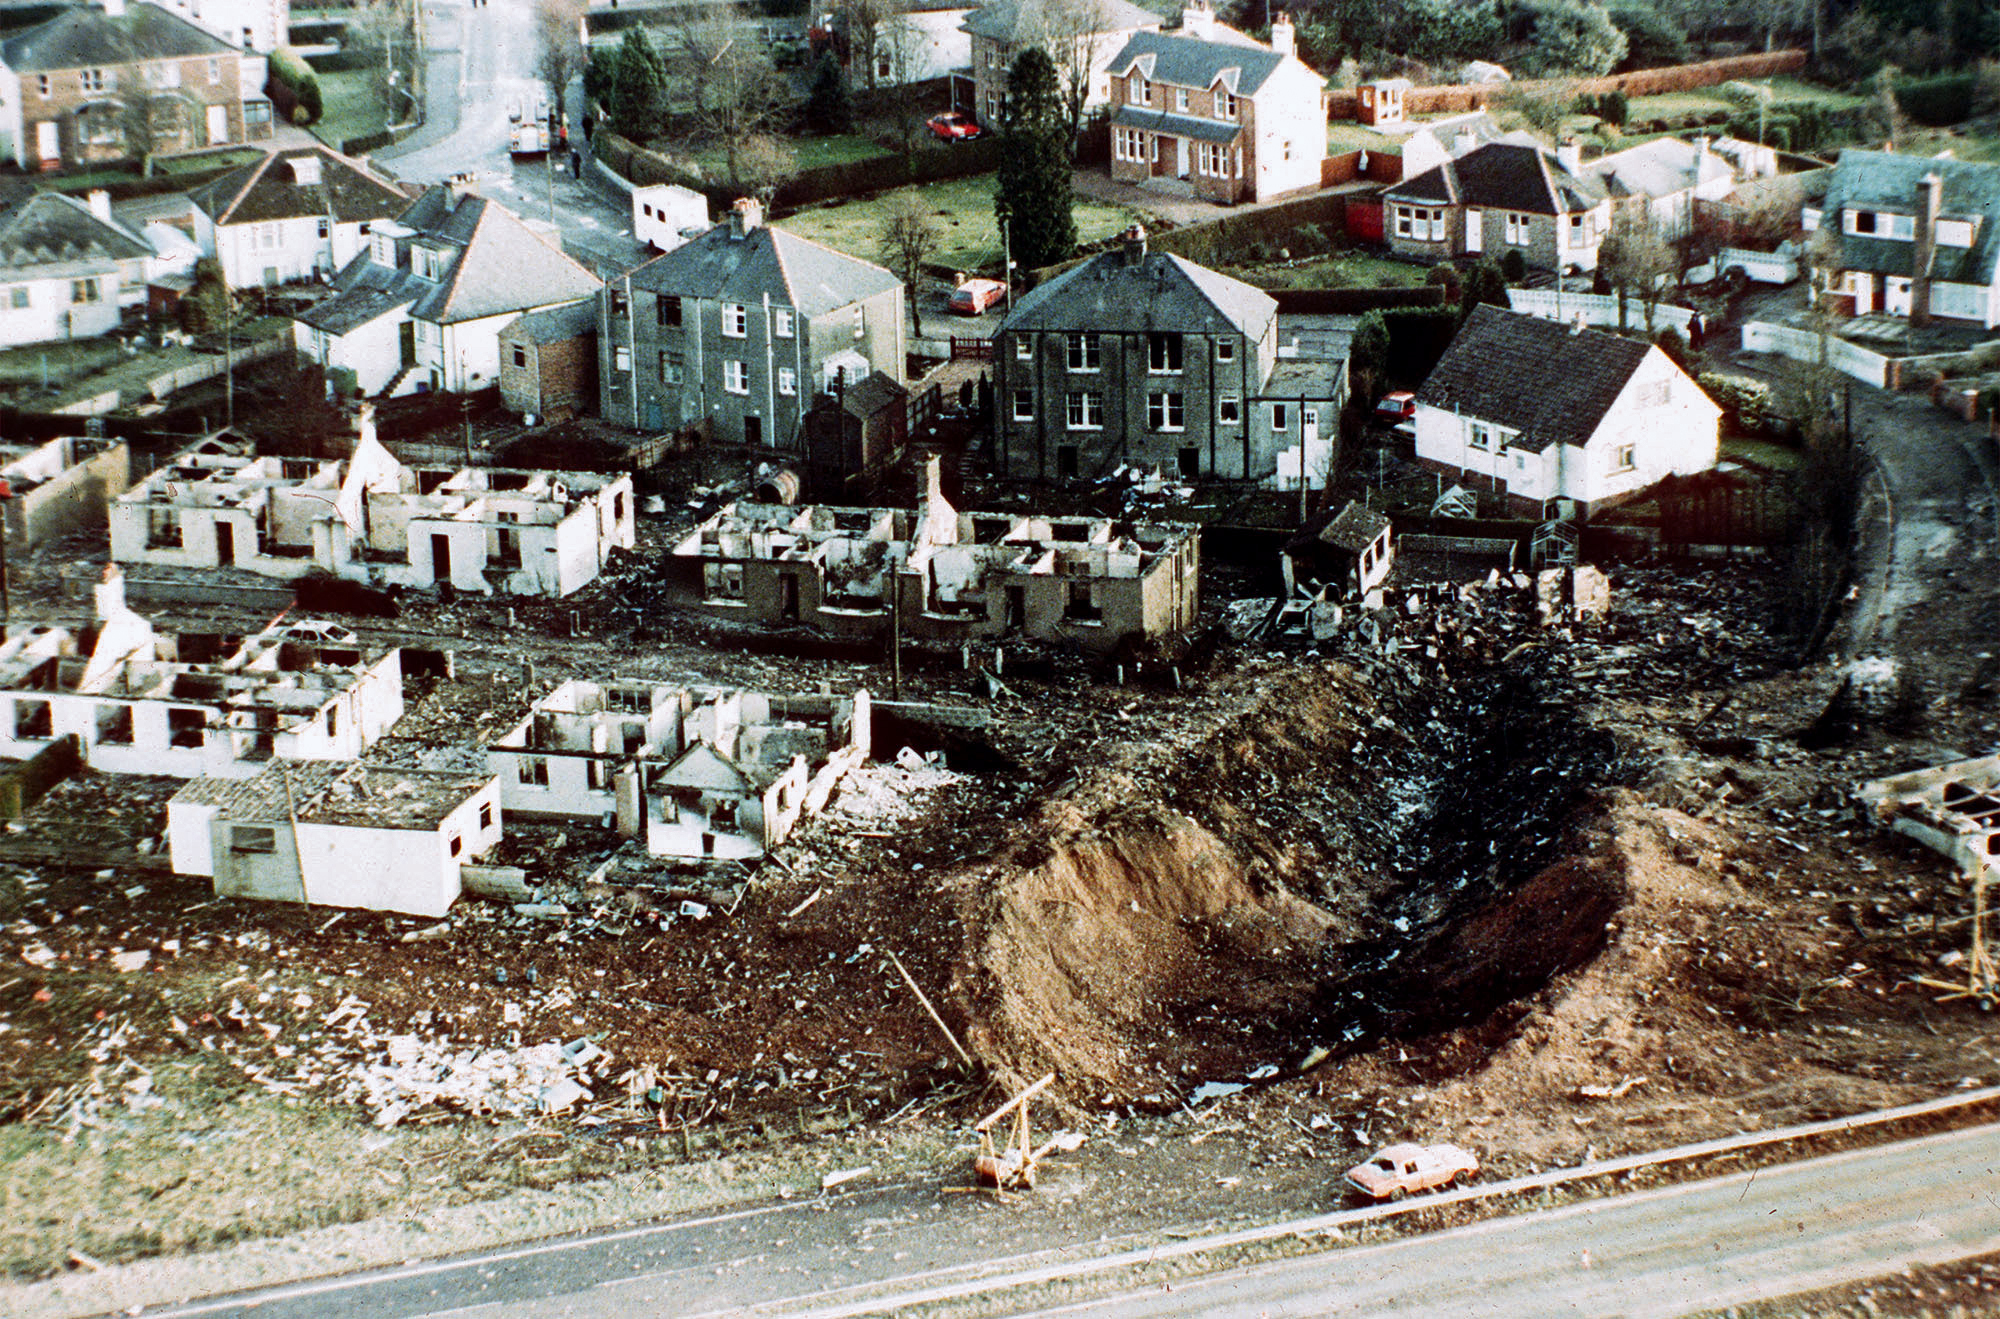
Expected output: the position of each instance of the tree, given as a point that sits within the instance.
(639, 85)
(1576, 37)
(561, 56)
(1368, 355)
(1448, 31)
(1066, 31)
(867, 24)
(736, 90)
(1542, 109)
(830, 105)
(1889, 110)
(761, 165)
(908, 238)
(1637, 261)
(1032, 190)
(1483, 283)
(148, 122)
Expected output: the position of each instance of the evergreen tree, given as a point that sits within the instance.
(830, 106)
(638, 87)
(1483, 283)
(1032, 190)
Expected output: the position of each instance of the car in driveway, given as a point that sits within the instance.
(954, 126)
(976, 295)
(1395, 408)
(1394, 1171)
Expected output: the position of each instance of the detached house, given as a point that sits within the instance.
(423, 304)
(66, 268)
(739, 329)
(95, 84)
(1914, 236)
(294, 214)
(1077, 34)
(1538, 410)
(1662, 180)
(1211, 111)
(1151, 360)
(1502, 196)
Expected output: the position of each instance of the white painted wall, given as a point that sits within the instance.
(1289, 108)
(374, 352)
(51, 314)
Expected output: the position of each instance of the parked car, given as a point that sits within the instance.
(954, 126)
(976, 295)
(1398, 406)
(1397, 1170)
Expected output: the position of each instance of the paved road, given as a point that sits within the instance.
(1699, 1246)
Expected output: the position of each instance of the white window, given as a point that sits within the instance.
(1225, 105)
(1225, 350)
(1139, 91)
(1164, 412)
(1229, 409)
(621, 359)
(268, 235)
(1623, 458)
(1085, 352)
(1130, 144)
(85, 290)
(781, 323)
(1281, 416)
(671, 370)
(1518, 228)
(788, 381)
(1163, 354)
(860, 321)
(735, 378)
(1086, 411)
(1212, 161)
(1425, 224)
(93, 79)
(1900, 227)
(1024, 405)
(1180, 99)
(735, 320)
(1479, 436)
(215, 70)
(1024, 351)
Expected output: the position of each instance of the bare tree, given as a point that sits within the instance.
(898, 61)
(1637, 260)
(559, 35)
(761, 165)
(736, 91)
(1069, 32)
(909, 236)
(148, 122)
(866, 24)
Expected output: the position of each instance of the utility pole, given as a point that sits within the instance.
(1007, 257)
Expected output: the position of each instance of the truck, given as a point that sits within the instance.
(528, 130)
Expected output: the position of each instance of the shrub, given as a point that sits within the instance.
(1650, 39)
(1946, 99)
(310, 101)
(1514, 266)
(1748, 406)
(1613, 108)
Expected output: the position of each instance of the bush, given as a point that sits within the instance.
(1418, 337)
(1613, 108)
(310, 101)
(1938, 101)
(1748, 406)
(1514, 266)
(1650, 39)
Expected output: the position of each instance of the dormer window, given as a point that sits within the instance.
(305, 170)
(1225, 106)
(1139, 91)
(1956, 233)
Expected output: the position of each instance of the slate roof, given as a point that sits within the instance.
(1501, 176)
(1305, 378)
(1659, 168)
(51, 229)
(873, 394)
(1549, 382)
(1355, 529)
(1020, 23)
(1197, 127)
(1241, 65)
(86, 37)
(796, 272)
(1885, 181)
(267, 190)
(1110, 293)
(553, 324)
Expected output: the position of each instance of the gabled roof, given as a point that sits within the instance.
(1028, 22)
(348, 191)
(1504, 177)
(796, 272)
(87, 37)
(1113, 293)
(1242, 67)
(1886, 181)
(1543, 379)
(50, 229)
(553, 324)
(1659, 168)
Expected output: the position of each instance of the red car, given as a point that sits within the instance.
(1398, 406)
(1397, 1170)
(954, 126)
(976, 295)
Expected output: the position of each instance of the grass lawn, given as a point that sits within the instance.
(348, 107)
(1341, 270)
(1344, 135)
(1777, 457)
(811, 153)
(963, 209)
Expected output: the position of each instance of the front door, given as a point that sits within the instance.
(48, 143)
(1475, 231)
(1180, 158)
(441, 559)
(225, 544)
(788, 595)
(753, 429)
(1017, 607)
(218, 124)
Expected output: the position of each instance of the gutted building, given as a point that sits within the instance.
(53, 489)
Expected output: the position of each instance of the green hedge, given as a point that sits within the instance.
(344, 61)
(928, 164)
(1804, 125)
(367, 142)
(1945, 99)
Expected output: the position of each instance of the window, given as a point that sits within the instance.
(1180, 99)
(1138, 91)
(1024, 405)
(532, 770)
(668, 311)
(1624, 458)
(860, 321)
(1129, 144)
(164, 75)
(93, 80)
(520, 356)
(1861, 222)
(84, 290)
(722, 581)
(1024, 351)
(1478, 436)
(253, 839)
(485, 815)
(42, 85)
(1903, 227)
(1086, 411)
(456, 843)
(1164, 412)
(325, 229)
(1280, 416)
(617, 300)
(722, 813)
(1229, 410)
(1212, 161)
(1225, 350)
(1163, 353)
(1225, 106)
(1425, 224)
(735, 320)
(1080, 607)
(1085, 352)
(163, 529)
(782, 323)
(1517, 228)
(270, 235)
(670, 368)
(735, 378)
(788, 381)
(215, 70)
(621, 359)
(18, 296)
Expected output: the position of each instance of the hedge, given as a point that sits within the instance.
(1460, 97)
(1946, 99)
(367, 142)
(855, 178)
(344, 61)
(289, 77)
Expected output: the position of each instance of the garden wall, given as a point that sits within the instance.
(928, 164)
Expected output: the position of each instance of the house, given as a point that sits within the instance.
(1661, 181)
(251, 24)
(1914, 236)
(1210, 111)
(1430, 143)
(421, 306)
(666, 215)
(1538, 410)
(853, 436)
(548, 362)
(1341, 557)
(66, 269)
(107, 83)
(1497, 197)
(1080, 38)
(910, 43)
(370, 519)
(1148, 359)
(52, 490)
(363, 836)
(301, 213)
(143, 702)
(738, 330)
(701, 773)
(936, 574)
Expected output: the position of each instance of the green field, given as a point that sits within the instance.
(808, 153)
(1344, 135)
(963, 209)
(1342, 270)
(348, 107)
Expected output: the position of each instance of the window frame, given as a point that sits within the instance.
(735, 314)
(735, 376)
(1084, 410)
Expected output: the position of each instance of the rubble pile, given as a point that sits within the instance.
(415, 1073)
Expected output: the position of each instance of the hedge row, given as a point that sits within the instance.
(928, 164)
(367, 142)
(1213, 242)
(1804, 125)
(1946, 99)
(344, 61)
(1459, 97)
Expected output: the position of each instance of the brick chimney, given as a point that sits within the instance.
(1283, 40)
(1930, 200)
(1133, 249)
(1569, 154)
(462, 186)
(744, 216)
(1198, 20)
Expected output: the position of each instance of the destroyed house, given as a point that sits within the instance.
(700, 773)
(1953, 809)
(53, 489)
(946, 576)
(141, 702)
(363, 836)
(371, 519)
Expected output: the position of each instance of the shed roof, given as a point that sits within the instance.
(50, 229)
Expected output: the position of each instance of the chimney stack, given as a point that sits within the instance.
(114, 8)
(1569, 154)
(1198, 20)
(1135, 245)
(462, 186)
(745, 215)
(100, 204)
(1930, 200)
(1283, 40)
(1465, 143)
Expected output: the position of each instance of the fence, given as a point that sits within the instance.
(1764, 267)
(1804, 346)
(1595, 308)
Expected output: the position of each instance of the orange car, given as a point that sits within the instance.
(1397, 1170)
(976, 295)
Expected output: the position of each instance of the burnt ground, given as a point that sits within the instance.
(1537, 890)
